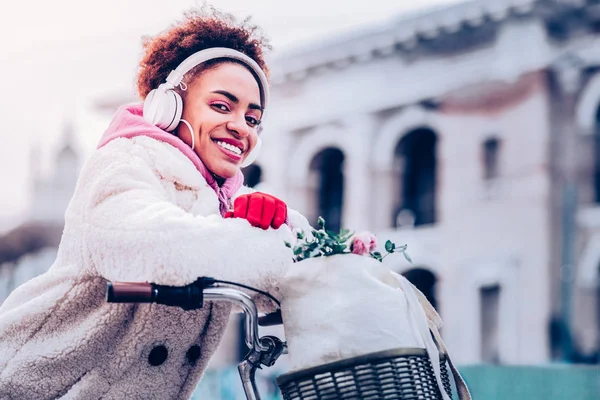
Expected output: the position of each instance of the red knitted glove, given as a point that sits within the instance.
(260, 209)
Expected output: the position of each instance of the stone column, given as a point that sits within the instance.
(384, 196)
(568, 73)
(273, 161)
(299, 197)
(358, 185)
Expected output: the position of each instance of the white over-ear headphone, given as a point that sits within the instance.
(163, 106)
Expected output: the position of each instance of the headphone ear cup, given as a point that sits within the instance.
(163, 107)
(176, 111)
(251, 157)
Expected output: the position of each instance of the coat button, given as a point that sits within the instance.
(193, 354)
(158, 355)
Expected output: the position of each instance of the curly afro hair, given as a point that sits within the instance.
(200, 29)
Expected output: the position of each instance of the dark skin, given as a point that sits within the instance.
(222, 105)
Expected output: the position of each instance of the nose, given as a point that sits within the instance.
(239, 126)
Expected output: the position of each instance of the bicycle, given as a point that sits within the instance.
(396, 374)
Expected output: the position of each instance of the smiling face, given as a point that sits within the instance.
(223, 107)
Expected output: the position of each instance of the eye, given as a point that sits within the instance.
(220, 106)
(252, 122)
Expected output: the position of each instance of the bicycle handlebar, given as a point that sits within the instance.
(189, 297)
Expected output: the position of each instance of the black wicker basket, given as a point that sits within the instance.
(398, 374)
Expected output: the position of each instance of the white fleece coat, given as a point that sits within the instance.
(141, 212)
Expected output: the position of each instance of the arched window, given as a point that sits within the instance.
(597, 158)
(415, 157)
(490, 154)
(328, 168)
(425, 281)
(252, 175)
(489, 317)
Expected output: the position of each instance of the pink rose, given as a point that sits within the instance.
(363, 243)
(359, 247)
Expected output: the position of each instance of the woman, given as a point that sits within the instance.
(157, 207)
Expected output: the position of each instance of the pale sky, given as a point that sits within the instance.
(56, 56)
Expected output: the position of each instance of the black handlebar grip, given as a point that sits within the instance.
(129, 292)
(188, 297)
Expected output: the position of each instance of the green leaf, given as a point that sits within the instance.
(390, 246)
(288, 244)
(329, 242)
(407, 257)
(321, 223)
(300, 235)
(344, 237)
(339, 249)
(298, 250)
(377, 255)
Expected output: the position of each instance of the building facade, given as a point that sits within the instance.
(471, 134)
(30, 248)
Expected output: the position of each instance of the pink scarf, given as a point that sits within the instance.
(128, 122)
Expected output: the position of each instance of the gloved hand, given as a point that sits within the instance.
(260, 209)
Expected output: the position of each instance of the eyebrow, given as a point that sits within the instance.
(234, 99)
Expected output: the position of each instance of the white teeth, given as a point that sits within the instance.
(229, 147)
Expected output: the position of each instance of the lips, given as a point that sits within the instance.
(232, 142)
(231, 150)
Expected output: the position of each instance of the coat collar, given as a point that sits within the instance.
(128, 122)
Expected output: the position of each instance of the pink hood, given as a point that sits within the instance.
(128, 122)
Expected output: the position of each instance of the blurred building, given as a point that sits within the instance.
(470, 133)
(30, 248)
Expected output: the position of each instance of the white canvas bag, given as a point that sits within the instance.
(347, 305)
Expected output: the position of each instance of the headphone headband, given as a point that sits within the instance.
(212, 53)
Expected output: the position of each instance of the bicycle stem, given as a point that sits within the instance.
(247, 370)
(263, 351)
(245, 302)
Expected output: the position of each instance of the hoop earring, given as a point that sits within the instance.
(191, 131)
